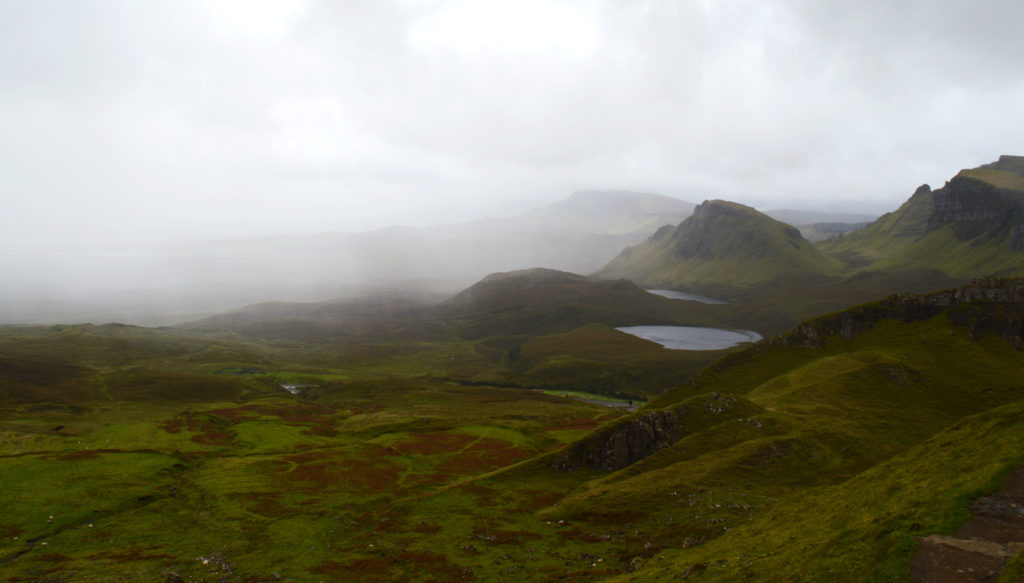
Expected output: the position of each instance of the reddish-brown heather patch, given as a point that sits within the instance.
(421, 480)
(173, 425)
(365, 476)
(374, 450)
(10, 530)
(426, 528)
(316, 418)
(313, 471)
(581, 423)
(238, 414)
(430, 563)
(264, 504)
(312, 477)
(82, 454)
(308, 457)
(372, 570)
(133, 554)
(434, 443)
(575, 533)
(308, 472)
(493, 536)
(538, 499)
(298, 413)
(211, 435)
(488, 443)
(599, 517)
(476, 462)
(206, 432)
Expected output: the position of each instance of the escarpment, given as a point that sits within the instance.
(640, 436)
(990, 304)
(977, 206)
(624, 444)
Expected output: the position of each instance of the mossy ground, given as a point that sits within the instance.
(161, 451)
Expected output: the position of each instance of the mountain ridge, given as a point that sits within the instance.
(972, 226)
(723, 247)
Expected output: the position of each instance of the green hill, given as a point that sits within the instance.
(544, 300)
(723, 250)
(821, 454)
(972, 226)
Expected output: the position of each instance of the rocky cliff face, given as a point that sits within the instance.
(626, 444)
(984, 200)
(633, 440)
(965, 199)
(986, 305)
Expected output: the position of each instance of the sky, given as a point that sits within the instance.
(127, 122)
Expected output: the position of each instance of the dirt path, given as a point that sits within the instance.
(981, 548)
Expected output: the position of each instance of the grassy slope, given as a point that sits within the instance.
(942, 248)
(252, 482)
(386, 470)
(886, 236)
(834, 418)
(863, 529)
(905, 239)
(815, 425)
(724, 245)
(600, 359)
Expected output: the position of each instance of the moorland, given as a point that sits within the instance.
(512, 432)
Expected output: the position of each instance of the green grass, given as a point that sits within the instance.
(723, 249)
(795, 460)
(174, 457)
(864, 528)
(997, 178)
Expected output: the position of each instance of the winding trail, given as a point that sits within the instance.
(982, 547)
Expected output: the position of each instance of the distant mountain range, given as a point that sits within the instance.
(972, 226)
(177, 283)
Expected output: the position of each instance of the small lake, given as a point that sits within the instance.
(692, 337)
(678, 295)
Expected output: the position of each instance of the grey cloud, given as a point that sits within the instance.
(139, 119)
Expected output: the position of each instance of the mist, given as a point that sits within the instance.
(163, 161)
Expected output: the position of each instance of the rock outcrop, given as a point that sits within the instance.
(982, 546)
(989, 304)
(966, 199)
(643, 434)
(623, 445)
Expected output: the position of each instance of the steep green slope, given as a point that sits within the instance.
(860, 419)
(864, 529)
(974, 225)
(825, 450)
(722, 250)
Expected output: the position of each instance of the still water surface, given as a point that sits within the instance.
(692, 337)
(678, 295)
